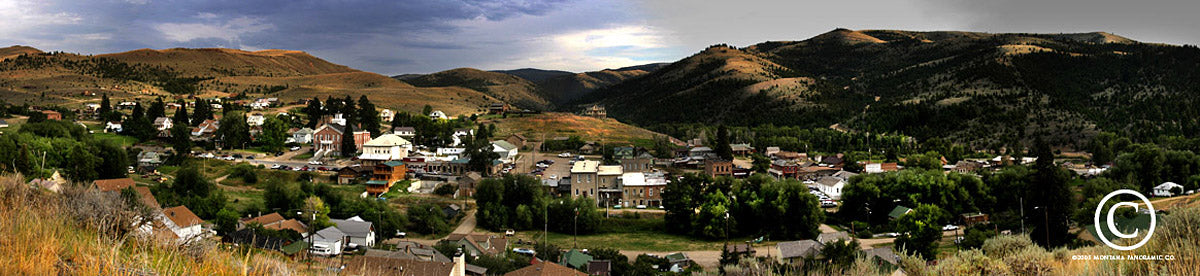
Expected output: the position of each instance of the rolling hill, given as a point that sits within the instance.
(533, 74)
(29, 75)
(505, 87)
(976, 88)
(530, 88)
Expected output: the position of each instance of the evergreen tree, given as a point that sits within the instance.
(105, 112)
(114, 160)
(274, 134)
(137, 125)
(314, 112)
(82, 167)
(1051, 212)
(202, 111)
(181, 142)
(348, 110)
(368, 116)
(332, 106)
(428, 109)
(479, 149)
(234, 132)
(181, 115)
(722, 148)
(157, 109)
(348, 147)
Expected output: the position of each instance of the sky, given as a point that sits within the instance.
(404, 36)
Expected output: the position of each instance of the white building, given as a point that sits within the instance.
(113, 127)
(406, 132)
(163, 123)
(386, 115)
(328, 242)
(181, 222)
(384, 148)
(507, 151)
(831, 186)
(1167, 189)
(302, 136)
(360, 232)
(450, 151)
(438, 114)
(255, 119)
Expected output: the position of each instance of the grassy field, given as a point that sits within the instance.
(566, 124)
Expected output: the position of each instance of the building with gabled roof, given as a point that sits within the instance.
(545, 269)
(387, 147)
(359, 231)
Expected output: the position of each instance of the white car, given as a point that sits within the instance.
(553, 176)
(227, 158)
(276, 166)
(295, 148)
(509, 232)
(949, 227)
(314, 162)
(565, 155)
(525, 251)
(640, 206)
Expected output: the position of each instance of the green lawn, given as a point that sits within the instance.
(241, 200)
(303, 156)
(121, 140)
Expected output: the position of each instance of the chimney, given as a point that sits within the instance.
(460, 264)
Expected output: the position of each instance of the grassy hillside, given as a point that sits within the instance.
(976, 88)
(569, 88)
(565, 124)
(505, 87)
(534, 75)
(80, 232)
(28, 75)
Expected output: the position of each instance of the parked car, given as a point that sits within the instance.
(314, 162)
(510, 232)
(227, 158)
(565, 155)
(276, 166)
(294, 148)
(237, 155)
(525, 251)
(249, 157)
(949, 227)
(641, 206)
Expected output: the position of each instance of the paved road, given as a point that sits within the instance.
(467, 225)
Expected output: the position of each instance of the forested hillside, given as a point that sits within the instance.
(975, 88)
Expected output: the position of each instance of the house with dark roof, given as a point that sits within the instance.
(575, 259)
(898, 211)
(360, 232)
(479, 244)
(328, 242)
(797, 251)
(826, 238)
(274, 221)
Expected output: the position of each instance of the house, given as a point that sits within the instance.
(715, 167)
(328, 242)
(479, 244)
(359, 232)
(575, 259)
(52, 115)
(1168, 189)
(182, 222)
(206, 128)
(328, 138)
(835, 161)
(882, 255)
(438, 115)
(444, 151)
(599, 267)
(680, 260)
(372, 265)
(971, 219)
(831, 186)
(784, 169)
(741, 149)
(964, 166)
(148, 161)
(595, 111)
(797, 251)
(790, 155)
(643, 162)
(162, 123)
(517, 140)
(507, 151)
(743, 249)
(411, 251)
(348, 175)
(642, 189)
(881, 167)
(771, 151)
(386, 115)
(113, 127)
(405, 132)
(898, 212)
(274, 221)
(387, 147)
(255, 119)
(700, 152)
(545, 269)
(844, 175)
(113, 185)
(459, 134)
(466, 184)
(588, 148)
(384, 175)
(497, 108)
(302, 136)
(826, 238)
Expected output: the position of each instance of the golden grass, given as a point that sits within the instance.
(566, 124)
(39, 235)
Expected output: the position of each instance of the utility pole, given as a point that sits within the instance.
(1046, 218)
(1022, 215)
(575, 237)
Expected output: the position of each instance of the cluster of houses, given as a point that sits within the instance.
(797, 251)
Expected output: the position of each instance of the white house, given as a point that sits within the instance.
(303, 136)
(162, 123)
(338, 119)
(1167, 189)
(114, 127)
(384, 148)
(507, 151)
(328, 241)
(406, 132)
(438, 114)
(831, 186)
(459, 133)
(255, 119)
(450, 151)
(386, 115)
(360, 232)
(184, 224)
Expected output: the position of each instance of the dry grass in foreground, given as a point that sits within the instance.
(85, 232)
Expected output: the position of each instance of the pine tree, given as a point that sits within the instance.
(314, 112)
(1051, 214)
(105, 112)
(181, 115)
(348, 148)
(157, 109)
(203, 111)
(368, 115)
(722, 148)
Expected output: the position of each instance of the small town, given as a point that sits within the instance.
(607, 138)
